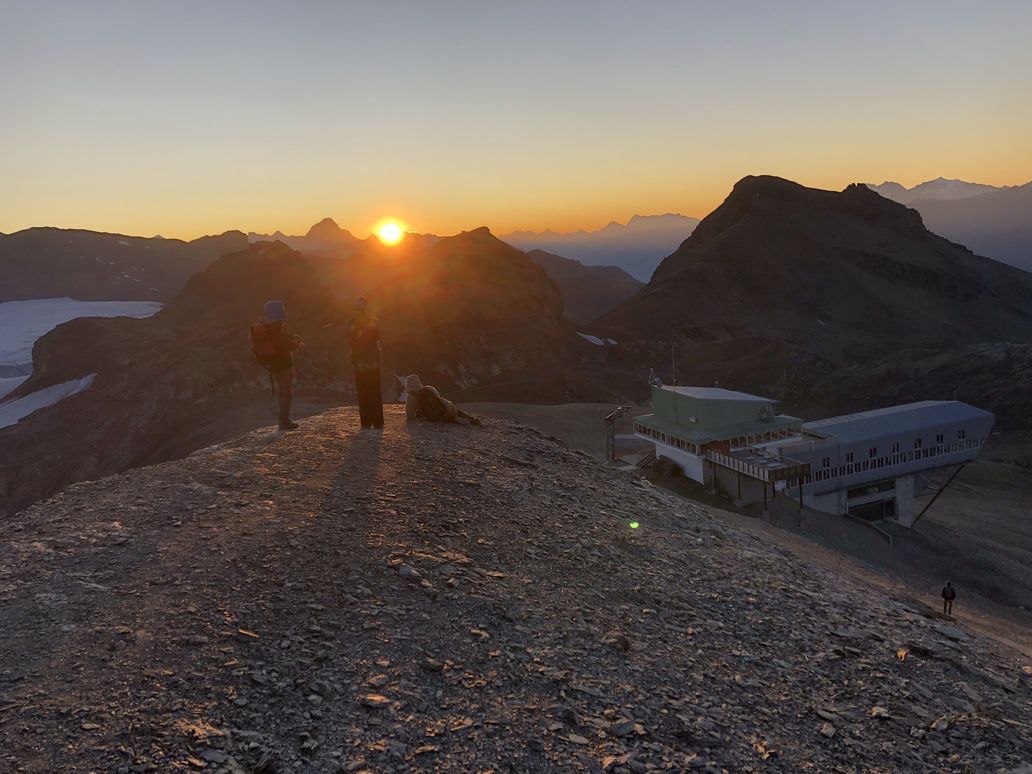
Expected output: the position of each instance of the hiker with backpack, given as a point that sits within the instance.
(363, 334)
(274, 349)
(948, 595)
(425, 402)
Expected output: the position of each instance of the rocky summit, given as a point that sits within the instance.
(452, 598)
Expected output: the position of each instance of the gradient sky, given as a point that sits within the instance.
(191, 117)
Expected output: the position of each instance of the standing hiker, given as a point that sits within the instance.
(364, 338)
(948, 595)
(274, 348)
(425, 402)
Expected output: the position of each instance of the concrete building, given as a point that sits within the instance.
(861, 464)
(865, 464)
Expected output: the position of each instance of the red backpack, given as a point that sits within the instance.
(263, 343)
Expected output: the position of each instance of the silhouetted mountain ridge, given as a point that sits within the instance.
(96, 266)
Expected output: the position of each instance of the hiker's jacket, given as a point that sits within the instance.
(364, 339)
(412, 410)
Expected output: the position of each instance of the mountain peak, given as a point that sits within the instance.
(327, 228)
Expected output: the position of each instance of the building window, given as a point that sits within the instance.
(961, 434)
(826, 462)
(917, 443)
(895, 448)
(938, 438)
(849, 456)
(872, 452)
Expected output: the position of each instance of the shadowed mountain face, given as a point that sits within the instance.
(636, 247)
(991, 221)
(588, 291)
(159, 381)
(473, 314)
(92, 266)
(782, 284)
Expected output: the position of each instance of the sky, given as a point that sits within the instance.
(193, 117)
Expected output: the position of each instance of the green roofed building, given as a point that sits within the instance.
(867, 465)
(689, 422)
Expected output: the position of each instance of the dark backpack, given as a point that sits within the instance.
(430, 404)
(949, 592)
(263, 343)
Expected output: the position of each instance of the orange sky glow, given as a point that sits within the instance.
(589, 112)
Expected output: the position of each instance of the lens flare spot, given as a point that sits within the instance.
(633, 525)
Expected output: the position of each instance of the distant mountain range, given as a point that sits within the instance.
(636, 247)
(94, 266)
(327, 238)
(991, 220)
(783, 288)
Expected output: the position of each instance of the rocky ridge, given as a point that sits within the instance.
(95, 266)
(448, 598)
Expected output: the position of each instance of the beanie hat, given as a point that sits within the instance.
(275, 311)
(413, 384)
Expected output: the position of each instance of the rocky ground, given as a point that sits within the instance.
(451, 598)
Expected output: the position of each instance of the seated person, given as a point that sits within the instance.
(425, 402)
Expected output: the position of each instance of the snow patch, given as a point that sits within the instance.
(14, 411)
(23, 322)
(9, 383)
(593, 339)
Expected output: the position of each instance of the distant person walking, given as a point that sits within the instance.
(364, 339)
(274, 348)
(948, 595)
(425, 402)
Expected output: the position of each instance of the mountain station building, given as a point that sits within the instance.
(862, 464)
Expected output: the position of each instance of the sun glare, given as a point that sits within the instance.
(390, 232)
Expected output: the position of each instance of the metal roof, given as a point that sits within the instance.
(720, 433)
(716, 393)
(896, 420)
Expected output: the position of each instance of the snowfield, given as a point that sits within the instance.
(14, 411)
(22, 322)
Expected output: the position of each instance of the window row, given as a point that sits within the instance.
(667, 438)
(900, 458)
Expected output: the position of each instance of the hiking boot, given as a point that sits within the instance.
(475, 421)
(288, 426)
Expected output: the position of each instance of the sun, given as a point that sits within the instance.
(390, 232)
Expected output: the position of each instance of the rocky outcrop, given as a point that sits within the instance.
(93, 266)
(474, 316)
(457, 599)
